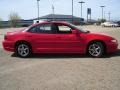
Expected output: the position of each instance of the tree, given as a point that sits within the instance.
(102, 20)
(14, 19)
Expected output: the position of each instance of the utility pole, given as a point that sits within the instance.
(81, 7)
(53, 9)
(102, 7)
(104, 15)
(53, 12)
(38, 8)
(109, 15)
(72, 11)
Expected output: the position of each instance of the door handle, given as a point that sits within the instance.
(29, 36)
(58, 37)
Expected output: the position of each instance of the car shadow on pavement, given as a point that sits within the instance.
(49, 55)
(117, 54)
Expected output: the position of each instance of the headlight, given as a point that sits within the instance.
(114, 41)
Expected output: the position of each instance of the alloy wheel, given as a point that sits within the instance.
(95, 49)
(23, 50)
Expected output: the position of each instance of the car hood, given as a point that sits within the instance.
(16, 31)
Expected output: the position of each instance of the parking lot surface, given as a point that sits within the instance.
(61, 71)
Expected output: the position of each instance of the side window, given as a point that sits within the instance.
(33, 29)
(64, 28)
(47, 27)
(43, 28)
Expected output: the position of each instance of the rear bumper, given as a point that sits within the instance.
(112, 47)
(8, 45)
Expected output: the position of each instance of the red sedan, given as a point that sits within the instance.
(58, 37)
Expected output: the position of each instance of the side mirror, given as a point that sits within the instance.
(88, 31)
(74, 31)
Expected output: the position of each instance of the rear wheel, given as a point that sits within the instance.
(23, 50)
(96, 49)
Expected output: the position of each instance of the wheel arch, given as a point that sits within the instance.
(22, 41)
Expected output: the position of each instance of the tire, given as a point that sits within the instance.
(23, 50)
(96, 49)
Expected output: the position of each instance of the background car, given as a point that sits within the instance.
(118, 22)
(58, 37)
(109, 24)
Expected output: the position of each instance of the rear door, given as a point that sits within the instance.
(42, 38)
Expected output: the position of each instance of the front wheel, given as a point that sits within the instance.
(96, 49)
(23, 50)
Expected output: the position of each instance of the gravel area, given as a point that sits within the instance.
(59, 71)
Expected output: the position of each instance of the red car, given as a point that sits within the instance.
(58, 37)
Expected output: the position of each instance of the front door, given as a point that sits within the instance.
(67, 41)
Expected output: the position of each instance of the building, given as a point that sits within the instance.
(50, 17)
(22, 23)
(60, 17)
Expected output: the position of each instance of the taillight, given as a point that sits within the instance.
(5, 37)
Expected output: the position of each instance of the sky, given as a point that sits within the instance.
(27, 9)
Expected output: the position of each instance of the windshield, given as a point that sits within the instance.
(78, 28)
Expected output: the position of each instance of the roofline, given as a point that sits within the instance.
(47, 22)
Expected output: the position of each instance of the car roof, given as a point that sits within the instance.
(50, 22)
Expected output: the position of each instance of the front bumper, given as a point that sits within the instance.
(8, 45)
(112, 47)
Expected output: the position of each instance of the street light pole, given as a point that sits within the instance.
(109, 15)
(104, 15)
(72, 11)
(102, 11)
(53, 11)
(38, 8)
(81, 7)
